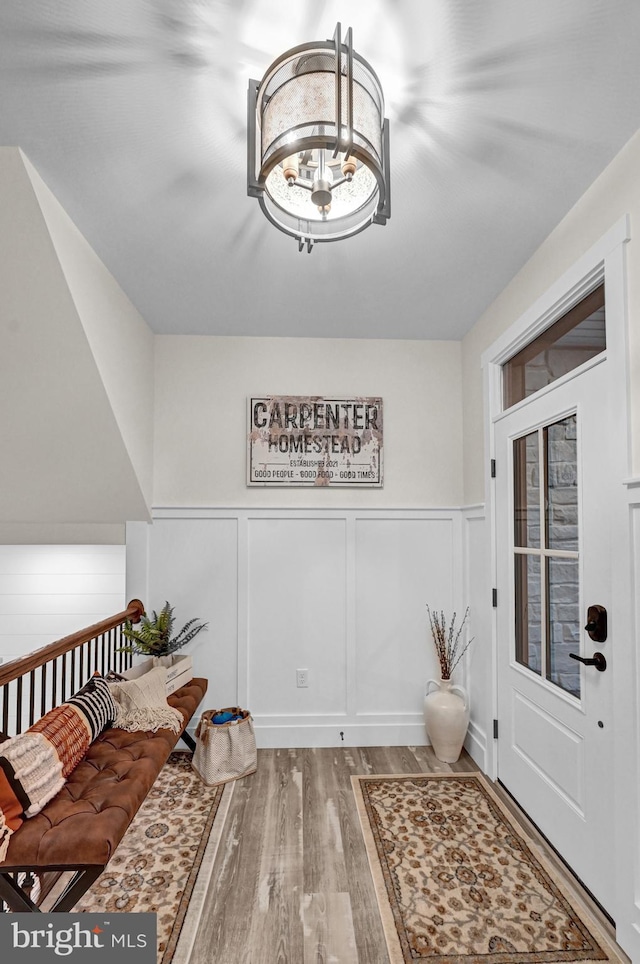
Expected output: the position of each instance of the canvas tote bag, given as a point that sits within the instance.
(224, 751)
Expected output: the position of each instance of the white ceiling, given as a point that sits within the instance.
(502, 112)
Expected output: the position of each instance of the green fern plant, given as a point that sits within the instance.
(153, 635)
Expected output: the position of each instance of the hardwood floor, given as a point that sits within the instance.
(291, 882)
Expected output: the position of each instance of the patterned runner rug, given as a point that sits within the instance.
(164, 862)
(457, 881)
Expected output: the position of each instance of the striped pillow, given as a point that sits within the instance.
(96, 703)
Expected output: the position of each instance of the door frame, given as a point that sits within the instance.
(605, 261)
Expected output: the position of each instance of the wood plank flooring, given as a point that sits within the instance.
(291, 883)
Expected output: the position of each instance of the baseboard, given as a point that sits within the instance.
(476, 745)
(353, 734)
(275, 737)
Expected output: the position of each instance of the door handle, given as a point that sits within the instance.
(596, 660)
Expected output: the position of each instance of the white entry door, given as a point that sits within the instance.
(553, 550)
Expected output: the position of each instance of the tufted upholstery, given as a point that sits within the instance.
(86, 820)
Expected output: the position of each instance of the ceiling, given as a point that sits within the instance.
(502, 112)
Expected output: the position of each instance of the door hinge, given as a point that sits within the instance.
(494, 598)
(493, 468)
(495, 729)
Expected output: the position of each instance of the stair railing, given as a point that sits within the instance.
(32, 684)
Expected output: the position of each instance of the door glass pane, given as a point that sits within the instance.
(546, 558)
(528, 611)
(563, 623)
(562, 484)
(572, 340)
(526, 481)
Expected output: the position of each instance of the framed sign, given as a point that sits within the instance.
(308, 440)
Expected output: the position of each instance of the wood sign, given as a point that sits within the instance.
(308, 440)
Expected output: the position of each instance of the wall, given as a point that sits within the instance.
(202, 385)
(340, 593)
(615, 193)
(47, 592)
(597, 224)
(119, 338)
(333, 581)
(64, 459)
(477, 668)
(62, 534)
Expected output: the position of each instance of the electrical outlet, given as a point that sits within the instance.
(302, 677)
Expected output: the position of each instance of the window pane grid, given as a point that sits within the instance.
(546, 556)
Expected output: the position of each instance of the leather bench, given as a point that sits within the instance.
(80, 828)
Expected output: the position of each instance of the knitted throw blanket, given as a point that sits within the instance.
(142, 703)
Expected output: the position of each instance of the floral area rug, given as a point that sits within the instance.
(163, 863)
(457, 881)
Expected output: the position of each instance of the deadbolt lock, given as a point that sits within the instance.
(597, 623)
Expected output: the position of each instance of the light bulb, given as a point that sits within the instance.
(349, 167)
(291, 168)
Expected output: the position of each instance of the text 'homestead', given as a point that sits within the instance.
(308, 440)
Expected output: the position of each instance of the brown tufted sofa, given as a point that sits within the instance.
(81, 827)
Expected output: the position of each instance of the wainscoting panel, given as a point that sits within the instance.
(49, 591)
(193, 564)
(297, 616)
(401, 566)
(340, 594)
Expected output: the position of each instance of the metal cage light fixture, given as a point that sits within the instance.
(318, 143)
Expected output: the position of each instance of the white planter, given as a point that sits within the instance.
(446, 718)
(179, 670)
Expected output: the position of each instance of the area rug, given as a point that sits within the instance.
(164, 862)
(457, 881)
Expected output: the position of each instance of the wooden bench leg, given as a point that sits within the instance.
(189, 740)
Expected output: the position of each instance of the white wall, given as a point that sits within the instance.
(614, 194)
(626, 824)
(120, 340)
(478, 675)
(333, 581)
(597, 224)
(64, 459)
(62, 534)
(202, 385)
(47, 592)
(341, 593)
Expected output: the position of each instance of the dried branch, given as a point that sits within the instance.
(447, 641)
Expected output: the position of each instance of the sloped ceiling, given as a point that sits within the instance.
(64, 458)
(502, 113)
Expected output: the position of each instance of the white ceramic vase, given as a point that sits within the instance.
(446, 718)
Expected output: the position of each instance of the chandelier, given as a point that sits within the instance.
(318, 143)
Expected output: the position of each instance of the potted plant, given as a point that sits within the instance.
(446, 709)
(154, 638)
